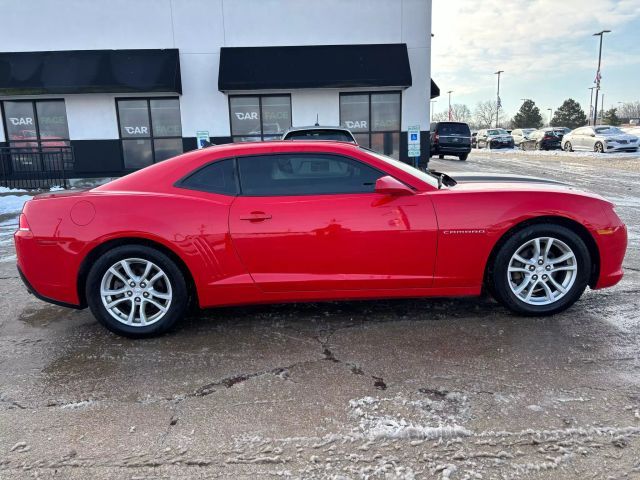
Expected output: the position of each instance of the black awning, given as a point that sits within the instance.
(435, 89)
(90, 71)
(315, 66)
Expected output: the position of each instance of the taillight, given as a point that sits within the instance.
(436, 137)
(23, 225)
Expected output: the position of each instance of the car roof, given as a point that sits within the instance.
(151, 178)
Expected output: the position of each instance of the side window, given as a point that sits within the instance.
(216, 177)
(305, 174)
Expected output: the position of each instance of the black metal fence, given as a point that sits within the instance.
(35, 167)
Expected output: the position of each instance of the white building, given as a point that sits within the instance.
(128, 83)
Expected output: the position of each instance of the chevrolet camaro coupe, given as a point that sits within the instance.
(307, 221)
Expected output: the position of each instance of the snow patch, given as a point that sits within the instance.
(12, 204)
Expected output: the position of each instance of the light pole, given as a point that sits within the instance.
(591, 104)
(550, 115)
(432, 102)
(449, 92)
(498, 103)
(598, 76)
(602, 110)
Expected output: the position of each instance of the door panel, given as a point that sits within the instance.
(336, 242)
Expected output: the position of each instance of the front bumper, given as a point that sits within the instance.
(622, 147)
(612, 244)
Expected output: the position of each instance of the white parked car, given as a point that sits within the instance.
(601, 138)
(521, 134)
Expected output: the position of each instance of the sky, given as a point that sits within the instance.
(545, 48)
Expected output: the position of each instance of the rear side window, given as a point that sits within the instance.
(305, 174)
(216, 177)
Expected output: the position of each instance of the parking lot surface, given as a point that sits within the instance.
(449, 389)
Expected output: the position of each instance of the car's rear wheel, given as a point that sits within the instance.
(440, 157)
(540, 270)
(136, 291)
(568, 147)
(598, 147)
(464, 156)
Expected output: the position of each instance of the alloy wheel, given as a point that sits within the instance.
(542, 271)
(136, 292)
(599, 148)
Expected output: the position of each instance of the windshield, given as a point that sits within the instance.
(498, 131)
(339, 135)
(608, 130)
(405, 167)
(528, 130)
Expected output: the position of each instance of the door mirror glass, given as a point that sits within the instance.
(388, 185)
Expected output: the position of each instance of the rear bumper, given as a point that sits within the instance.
(35, 293)
(48, 269)
(452, 150)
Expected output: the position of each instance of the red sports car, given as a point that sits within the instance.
(297, 221)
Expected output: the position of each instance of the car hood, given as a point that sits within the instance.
(497, 182)
(481, 177)
(619, 136)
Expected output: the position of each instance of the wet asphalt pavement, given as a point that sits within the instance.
(448, 389)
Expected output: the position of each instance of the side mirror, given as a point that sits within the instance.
(388, 185)
(593, 134)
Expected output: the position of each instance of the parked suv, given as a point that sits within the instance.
(494, 138)
(601, 138)
(450, 138)
(318, 132)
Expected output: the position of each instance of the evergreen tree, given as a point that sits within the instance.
(570, 115)
(610, 117)
(528, 116)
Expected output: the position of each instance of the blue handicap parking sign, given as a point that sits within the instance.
(414, 137)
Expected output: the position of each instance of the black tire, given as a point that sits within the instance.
(568, 147)
(440, 157)
(464, 156)
(498, 280)
(180, 294)
(598, 147)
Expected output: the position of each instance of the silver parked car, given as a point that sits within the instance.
(601, 138)
(521, 134)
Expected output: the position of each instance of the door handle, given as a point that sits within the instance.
(256, 217)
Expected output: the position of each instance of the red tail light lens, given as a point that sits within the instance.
(436, 137)
(23, 224)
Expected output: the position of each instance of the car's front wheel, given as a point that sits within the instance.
(540, 270)
(598, 147)
(568, 147)
(136, 291)
(464, 156)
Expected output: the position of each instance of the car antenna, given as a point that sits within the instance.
(317, 124)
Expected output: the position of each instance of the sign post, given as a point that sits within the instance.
(202, 138)
(413, 144)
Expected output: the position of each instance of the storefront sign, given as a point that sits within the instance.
(202, 137)
(21, 121)
(413, 141)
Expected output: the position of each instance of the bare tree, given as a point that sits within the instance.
(459, 113)
(629, 110)
(485, 113)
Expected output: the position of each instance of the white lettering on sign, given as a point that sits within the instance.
(247, 115)
(276, 116)
(356, 124)
(21, 121)
(137, 130)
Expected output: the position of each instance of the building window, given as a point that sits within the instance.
(259, 117)
(150, 130)
(39, 123)
(374, 120)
